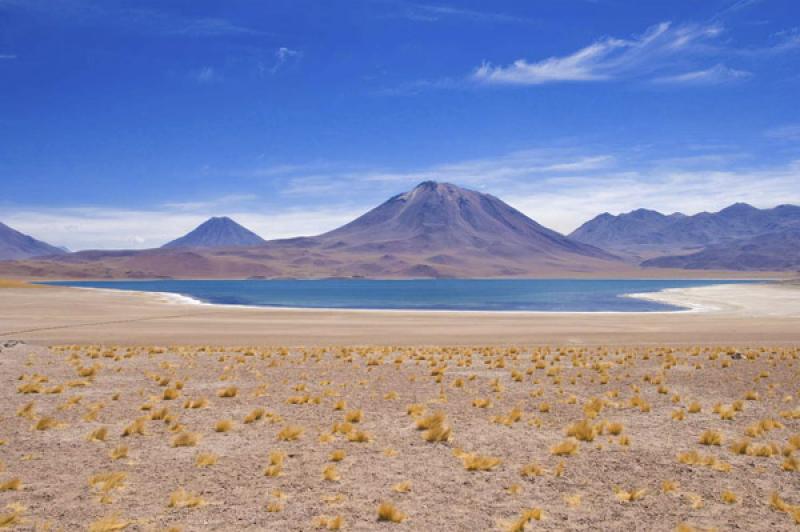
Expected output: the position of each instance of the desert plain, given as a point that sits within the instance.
(139, 412)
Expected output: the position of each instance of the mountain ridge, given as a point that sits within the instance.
(15, 245)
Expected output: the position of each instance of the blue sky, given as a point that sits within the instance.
(124, 124)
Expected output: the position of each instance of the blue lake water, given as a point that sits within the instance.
(554, 295)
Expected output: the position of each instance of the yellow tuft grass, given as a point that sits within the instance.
(629, 496)
(180, 498)
(329, 523)
(254, 416)
(476, 462)
(389, 512)
(46, 423)
(223, 425)
(230, 391)
(728, 497)
(337, 455)
(354, 416)
(118, 452)
(528, 515)
(290, 432)
(109, 524)
(206, 459)
(402, 487)
(565, 448)
(135, 427)
(185, 439)
(711, 437)
(98, 435)
(330, 473)
(13, 484)
(110, 480)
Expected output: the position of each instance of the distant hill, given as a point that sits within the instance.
(216, 232)
(15, 245)
(776, 251)
(645, 234)
(434, 230)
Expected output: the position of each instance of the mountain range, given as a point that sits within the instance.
(442, 230)
(15, 245)
(739, 237)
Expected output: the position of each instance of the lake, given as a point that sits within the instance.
(552, 295)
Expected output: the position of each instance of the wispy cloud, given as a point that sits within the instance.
(605, 59)
(790, 132)
(716, 75)
(205, 74)
(559, 187)
(7, 56)
(282, 55)
(434, 12)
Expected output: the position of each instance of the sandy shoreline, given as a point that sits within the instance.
(721, 313)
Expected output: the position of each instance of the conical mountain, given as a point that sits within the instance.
(15, 245)
(217, 232)
(444, 218)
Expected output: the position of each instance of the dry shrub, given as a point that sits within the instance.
(565, 448)
(223, 425)
(402, 487)
(532, 470)
(389, 512)
(629, 496)
(476, 462)
(330, 473)
(185, 439)
(46, 423)
(728, 497)
(108, 481)
(109, 524)
(330, 523)
(254, 416)
(137, 426)
(180, 498)
(359, 436)
(98, 435)
(582, 430)
(528, 515)
(290, 432)
(354, 416)
(118, 452)
(711, 437)
(206, 459)
(13, 484)
(337, 455)
(230, 391)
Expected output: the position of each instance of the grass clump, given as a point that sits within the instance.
(290, 433)
(185, 439)
(180, 498)
(390, 513)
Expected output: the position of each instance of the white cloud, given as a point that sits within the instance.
(559, 187)
(282, 55)
(109, 228)
(206, 74)
(715, 75)
(605, 59)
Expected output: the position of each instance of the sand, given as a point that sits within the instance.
(84, 389)
(763, 314)
(634, 369)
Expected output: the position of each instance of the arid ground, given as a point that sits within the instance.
(631, 413)
(647, 435)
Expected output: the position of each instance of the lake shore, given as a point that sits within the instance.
(725, 313)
